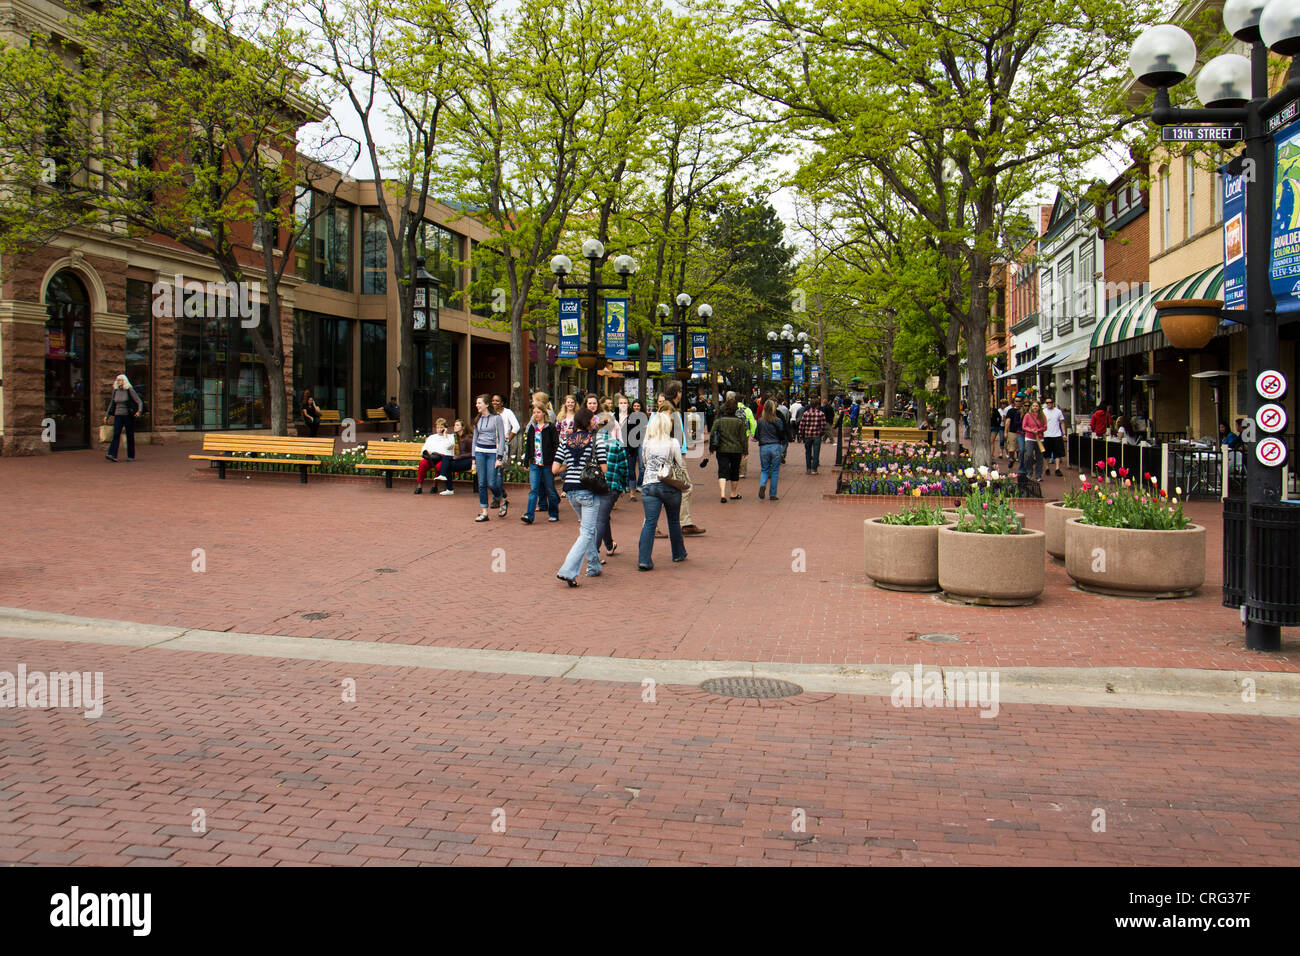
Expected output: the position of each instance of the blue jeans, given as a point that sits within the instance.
(1020, 445)
(812, 452)
(486, 463)
(541, 485)
(123, 423)
(769, 458)
(587, 509)
(604, 505)
(656, 497)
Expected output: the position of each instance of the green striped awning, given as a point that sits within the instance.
(1134, 327)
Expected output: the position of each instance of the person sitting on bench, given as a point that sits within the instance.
(437, 446)
(461, 460)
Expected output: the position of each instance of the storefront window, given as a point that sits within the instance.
(323, 252)
(443, 252)
(139, 367)
(322, 351)
(374, 364)
(217, 386)
(374, 254)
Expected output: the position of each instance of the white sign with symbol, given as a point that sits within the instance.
(1271, 418)
(1271, 384)
(1271, 452)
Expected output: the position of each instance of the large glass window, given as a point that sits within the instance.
(219, 381)
(1086, 285)
(374, 254)
(1065, 273)
(444, 252)
(1189, 186)
(322, 360)
(138, 364)
(323, 252)
(374, 364)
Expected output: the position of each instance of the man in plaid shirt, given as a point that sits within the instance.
(812, 424)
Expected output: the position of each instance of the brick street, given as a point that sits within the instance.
(582, 771)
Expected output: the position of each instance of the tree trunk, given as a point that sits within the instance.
(952, 384)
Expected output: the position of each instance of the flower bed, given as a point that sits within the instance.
(919, 470)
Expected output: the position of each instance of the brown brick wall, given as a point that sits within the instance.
(1128, 255)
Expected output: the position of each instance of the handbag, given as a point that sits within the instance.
(674, 475)
(593, 479)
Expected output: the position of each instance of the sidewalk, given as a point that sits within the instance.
(356, 561)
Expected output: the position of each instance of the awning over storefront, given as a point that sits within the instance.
(1021, 368)
(1071, 361)
(1134, 327)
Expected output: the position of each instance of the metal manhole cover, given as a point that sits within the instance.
(385, 570)
(753, 688)
(316, 616)
(939, 638)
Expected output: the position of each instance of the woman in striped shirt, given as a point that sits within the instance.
(575, 453)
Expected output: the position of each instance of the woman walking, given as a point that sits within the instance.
(1033, 426)
(615, 478)
(564, 424)
(124, 407)
(576, 453)
(661, 452)
(631, 427)
(771, 437)
(310, 412)
(489, 453)
(541, 442)
(732, 433)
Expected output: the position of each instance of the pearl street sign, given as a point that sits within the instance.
(1201, 134)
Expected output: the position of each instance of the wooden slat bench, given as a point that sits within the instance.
(377, 416)
(227, 449)
(910, 435)
(394, 456)
(329, 418)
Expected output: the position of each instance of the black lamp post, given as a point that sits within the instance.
(680, 326)
(784, 340)
(593, 250)
(1234, 90)
(424, 323)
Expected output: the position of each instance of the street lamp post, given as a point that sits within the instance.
(784, 339)
(1235, 90)
(680, 325)
(593, 250)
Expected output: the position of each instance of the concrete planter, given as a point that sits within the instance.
(902, 557)
(1055, 515)
(1130, 563)
(1000, 570)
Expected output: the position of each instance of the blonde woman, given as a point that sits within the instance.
(564, 424)
(124, 407)
(660, 452)
(544, 400)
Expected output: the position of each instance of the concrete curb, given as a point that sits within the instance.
(1141, 688)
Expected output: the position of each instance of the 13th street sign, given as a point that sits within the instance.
(1201, 134)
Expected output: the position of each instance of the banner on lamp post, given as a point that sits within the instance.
(816, 374)
(699, 352)
(798, 368)
(616, 329)
(1233, 190)
(570, 326)
(1284, 265)
(778, 371)
(668, 353)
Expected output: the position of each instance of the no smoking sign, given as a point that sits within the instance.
(1271, 452)
(1270, 384)
(1271, 418)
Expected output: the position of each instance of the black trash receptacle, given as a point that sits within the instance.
(1234, 552)
(1275, 552)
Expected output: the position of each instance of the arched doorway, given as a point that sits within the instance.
(67, 361)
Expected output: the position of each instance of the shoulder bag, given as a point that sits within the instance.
(592, 479)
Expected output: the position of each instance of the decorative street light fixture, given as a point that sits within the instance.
(1234, 90)
(680, 326)
(784, 340)
(593, 250)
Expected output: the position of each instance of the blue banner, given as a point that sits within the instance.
(668, 353)
(616, 329)
(1284, 266)
(570, 326)
(777, 371)
(816, 373)
(798, 368)
(699, 352)
(1233, 191)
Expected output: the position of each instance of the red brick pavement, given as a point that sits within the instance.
(92, 538)
(586, 772)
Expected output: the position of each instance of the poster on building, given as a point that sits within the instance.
(1233, 191)
(616, 328)
(56, 345)
(570, 326)
(778, 372)
(1284, 267)
(798, 368)
(668, 353)
(699, 352)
